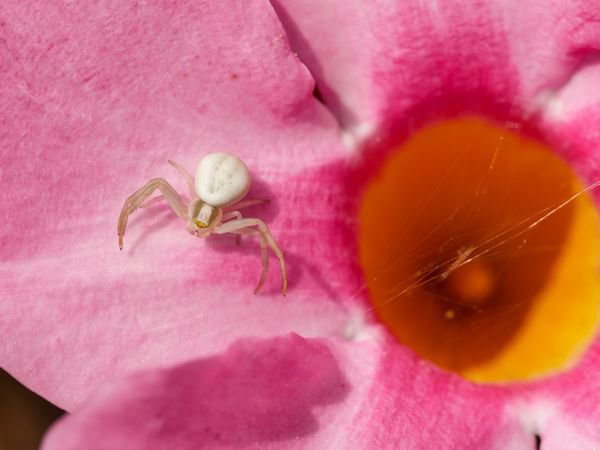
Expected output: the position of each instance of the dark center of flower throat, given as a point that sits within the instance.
(481, 252)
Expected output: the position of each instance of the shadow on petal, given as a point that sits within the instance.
(258, 391)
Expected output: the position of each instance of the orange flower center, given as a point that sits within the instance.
(481, 252)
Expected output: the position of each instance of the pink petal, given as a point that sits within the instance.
(555, 425)
(570, 119)
(292, 392)
(86, 84)
(563, 433)
(96, 98)
(386, 63)
(257, 392)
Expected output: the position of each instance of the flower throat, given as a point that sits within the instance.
(481, 252)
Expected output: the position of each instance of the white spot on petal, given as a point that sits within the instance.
(357, 328)
(550, 104)
(355, 136)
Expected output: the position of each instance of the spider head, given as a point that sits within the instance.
(204, 216)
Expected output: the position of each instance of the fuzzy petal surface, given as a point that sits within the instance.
(99, 96)
(294, 393)
(385, 62)
(96, 98)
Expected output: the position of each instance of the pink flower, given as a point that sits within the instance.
(97, 96)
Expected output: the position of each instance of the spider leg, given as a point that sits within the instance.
(136, 199)
(245, 204)
(153, 201)
(263, 252)
(265, 262)
(188, 178)
(237, 215)
(232, 214)
(263, 229)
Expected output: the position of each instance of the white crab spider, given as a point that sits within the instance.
(222, 181)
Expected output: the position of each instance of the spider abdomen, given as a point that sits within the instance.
(221, 179)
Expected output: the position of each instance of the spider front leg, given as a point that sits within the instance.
(136, 199)
(235, 225)
(189, 180)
